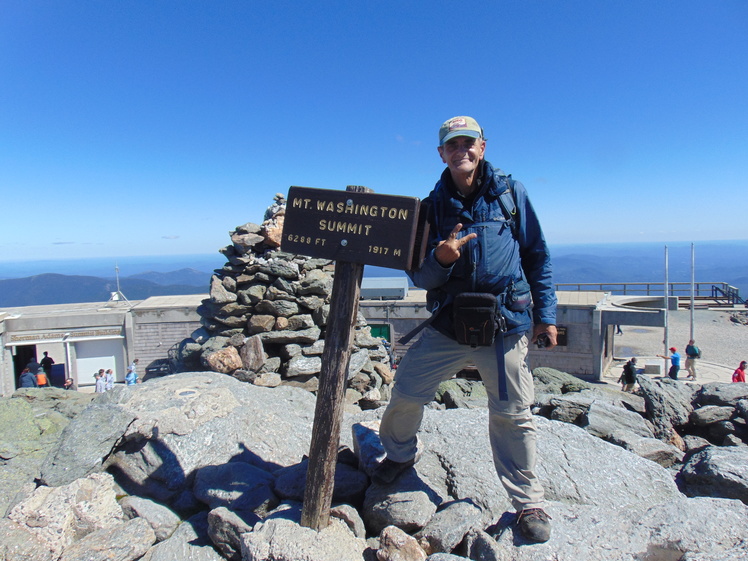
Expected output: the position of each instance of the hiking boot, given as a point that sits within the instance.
(389, 470)
(534, 524)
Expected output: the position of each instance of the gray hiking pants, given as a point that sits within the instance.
(436, 357)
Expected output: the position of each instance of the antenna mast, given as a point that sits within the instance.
(118, 296)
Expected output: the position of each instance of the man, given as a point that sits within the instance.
(478, 246)
(692, 353)
(674, 359)
(131, 378)
(33, 366)
(628, 377)
(47, 363)
(739, 375)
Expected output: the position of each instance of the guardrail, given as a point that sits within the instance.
(719, 291)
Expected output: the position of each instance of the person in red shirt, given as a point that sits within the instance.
(739, 374)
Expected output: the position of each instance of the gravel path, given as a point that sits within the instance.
(721, 341)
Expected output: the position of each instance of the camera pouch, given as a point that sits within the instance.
(518, 297)
(476, 318)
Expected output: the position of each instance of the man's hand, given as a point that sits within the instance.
(549, 330)
(448, 251)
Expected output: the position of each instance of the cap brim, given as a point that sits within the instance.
(454, 134)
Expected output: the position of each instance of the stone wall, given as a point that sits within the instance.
(265, 319)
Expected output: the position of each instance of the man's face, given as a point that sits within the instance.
(463, 154)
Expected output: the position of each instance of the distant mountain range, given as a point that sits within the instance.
(52, 288)
(609, 263)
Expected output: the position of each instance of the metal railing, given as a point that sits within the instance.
(720, 291)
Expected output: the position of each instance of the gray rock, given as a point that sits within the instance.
(444, 557)
(669, 404)
(396, 545)
(716, 393)
(277, 308)
(281, 268)
(303, 366)
(693, 443)
(303, 337)
(351, 518)
(649, 448)
(59, 516)
(126, 541)
(252, 354)
(408, 503)
(358, 361)
(218, 292)
(29, 429)
(252, 294)
(321, 314)
(480, 545)
(190, 542)
(707, 529)
(191, 420)
(717, 472)
(448, 526)
(20, 544)
(316, 282)
(301, 321)
(603, 419)
(162, 520)
(709, 414)
(268, 380)
(85, 443)
(551, 381)
(315, 349)
(225, 529)
(570, 408)
(279, 539)
(311, 302)
(349, 484)
(741, 409)
(237, 486)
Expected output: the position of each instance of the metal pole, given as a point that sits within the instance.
(667, 305)
(693, 287)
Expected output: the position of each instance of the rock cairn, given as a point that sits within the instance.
(265, 319)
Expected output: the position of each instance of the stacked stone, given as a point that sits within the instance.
(265, 319)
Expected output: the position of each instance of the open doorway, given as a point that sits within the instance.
(22, 356)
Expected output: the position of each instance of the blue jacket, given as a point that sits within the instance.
(496, 261)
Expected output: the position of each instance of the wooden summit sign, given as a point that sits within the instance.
(354, 226)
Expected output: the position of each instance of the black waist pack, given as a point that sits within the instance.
(476, 319)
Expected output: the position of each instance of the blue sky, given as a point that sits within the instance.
(156, 127)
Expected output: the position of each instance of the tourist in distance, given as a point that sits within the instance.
(131, 378)
(109, 379)
(47, 363)
(33, 366)
(41, 378)
(27, 379)
(674, 359)
(692, 353)
(100, 382)
(628, 377)
(470, 218)
(70, 385)
(739, 374)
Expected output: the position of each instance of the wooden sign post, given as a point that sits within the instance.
(328, 413)
(354, 227)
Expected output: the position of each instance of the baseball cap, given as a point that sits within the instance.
(459, 126)
(673, 349)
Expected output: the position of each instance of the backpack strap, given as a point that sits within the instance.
(508, 206)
